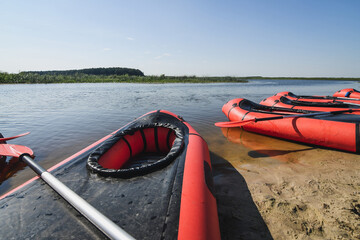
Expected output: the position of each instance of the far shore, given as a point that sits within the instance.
(34, 78)
(131, 75)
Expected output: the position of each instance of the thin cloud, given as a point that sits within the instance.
(107, 49)
(130, 38)
(163, 55)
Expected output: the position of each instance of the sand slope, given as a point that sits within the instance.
(300, 192)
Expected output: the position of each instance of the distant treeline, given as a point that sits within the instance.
(92, 71)
(115, 74)
(27, 77)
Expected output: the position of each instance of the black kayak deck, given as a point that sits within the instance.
(139, 205)
(147, 207)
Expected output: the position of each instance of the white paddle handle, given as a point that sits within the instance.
(104, 224)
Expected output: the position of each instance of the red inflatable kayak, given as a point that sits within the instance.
(152, 178)
(348, 93)
(332, 130)
(326, 99)
(285, 102)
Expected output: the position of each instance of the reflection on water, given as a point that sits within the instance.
(260, 146)
(9, 167)
(64, 118)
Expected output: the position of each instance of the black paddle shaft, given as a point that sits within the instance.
(30, 162)
(304, 115)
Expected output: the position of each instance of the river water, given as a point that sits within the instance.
(64, 118)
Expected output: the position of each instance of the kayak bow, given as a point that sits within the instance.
(152, 178)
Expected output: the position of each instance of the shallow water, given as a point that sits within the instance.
(64, 118)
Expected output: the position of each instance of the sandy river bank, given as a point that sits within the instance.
(268, 188)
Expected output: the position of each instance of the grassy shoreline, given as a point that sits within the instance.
(34, 78)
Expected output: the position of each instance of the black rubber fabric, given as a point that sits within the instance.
(147, 207)
(150, 122)
(315, 104)
(258, 108)
(2, 158)
(1, 136)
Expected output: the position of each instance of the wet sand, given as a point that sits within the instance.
(269, 188)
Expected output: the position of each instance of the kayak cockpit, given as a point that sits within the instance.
(136, 151)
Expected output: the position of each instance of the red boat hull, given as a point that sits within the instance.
(321, 132)
(322, 106)
(348, 93)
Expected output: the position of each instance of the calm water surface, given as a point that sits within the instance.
(64, 118)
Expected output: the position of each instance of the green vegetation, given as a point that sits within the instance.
(93, 75)
(127, 75)
(92, 71)
(6, 78)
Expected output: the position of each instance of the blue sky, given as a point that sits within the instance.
(186, 37)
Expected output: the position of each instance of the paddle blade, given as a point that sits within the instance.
(12, 150)
(234, 123)
(9, 138)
